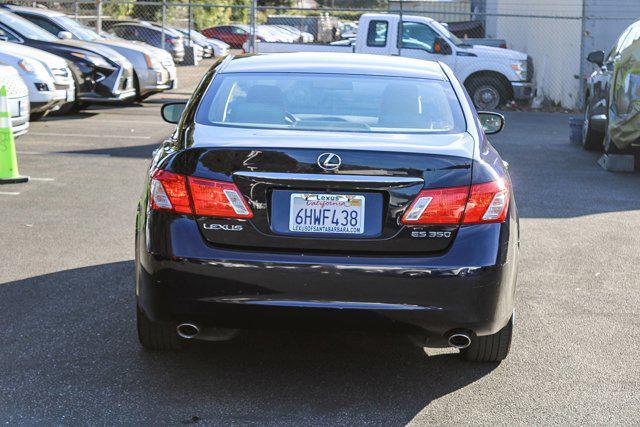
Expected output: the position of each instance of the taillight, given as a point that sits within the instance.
(488, 202)
(482, 203)
(169, 192)
(216, 198)
(177, 193)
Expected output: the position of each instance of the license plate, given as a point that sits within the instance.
(70, 95)
(327, 213)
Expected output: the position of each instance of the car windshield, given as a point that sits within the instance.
(332, 102)
(25, 28)
(77, 29)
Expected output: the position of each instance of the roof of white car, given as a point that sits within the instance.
(36, 10)
(336, 63)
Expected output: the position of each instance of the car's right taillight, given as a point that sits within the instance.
(177, 193)
(481, 203)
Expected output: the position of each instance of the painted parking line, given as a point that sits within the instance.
(83, 135)
(42, 179)
(9, 193)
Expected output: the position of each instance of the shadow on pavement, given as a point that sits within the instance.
(132, 151)
(68, 351)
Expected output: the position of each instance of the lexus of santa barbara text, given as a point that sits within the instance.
(328, 191)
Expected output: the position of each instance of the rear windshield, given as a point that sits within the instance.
(331, 102)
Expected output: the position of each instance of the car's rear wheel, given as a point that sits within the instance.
(156, 335)
(591, 139)
(490, 348)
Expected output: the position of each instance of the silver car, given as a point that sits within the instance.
(154, 68)
(18, 96)
(47, 77)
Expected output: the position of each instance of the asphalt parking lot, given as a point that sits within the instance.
(69, 352)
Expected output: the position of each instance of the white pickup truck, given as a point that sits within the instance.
(491, 75)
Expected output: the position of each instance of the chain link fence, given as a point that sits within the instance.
(556, 35)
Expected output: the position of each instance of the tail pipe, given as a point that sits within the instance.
(188, 330)
(459, 340)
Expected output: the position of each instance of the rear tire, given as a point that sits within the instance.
(487, 93)
(156, 335)
(490, 348)
(591, 139)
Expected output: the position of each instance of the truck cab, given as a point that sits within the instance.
(491, 75)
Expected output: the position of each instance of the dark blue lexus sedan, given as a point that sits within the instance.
(333, 192)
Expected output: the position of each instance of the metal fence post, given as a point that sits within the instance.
(75, 10)
(253, 23)
(164, 21)
(98, 16)
(189, 24)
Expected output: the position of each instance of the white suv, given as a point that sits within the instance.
(47, 76)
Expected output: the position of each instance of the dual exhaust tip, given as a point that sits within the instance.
(459, 340)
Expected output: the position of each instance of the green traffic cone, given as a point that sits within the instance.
(8, 161)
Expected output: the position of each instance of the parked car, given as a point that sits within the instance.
(491, 75)
(302, 36)
(234, 35)
(198, 39)
(612, 96)
(154, 69)
(152, 35)
(18, 97)
(47, 77)
(383, 207)
(277, 34)
(100, 74)
(220, 48)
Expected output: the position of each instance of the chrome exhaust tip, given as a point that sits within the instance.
(187, 330)
(459, 340)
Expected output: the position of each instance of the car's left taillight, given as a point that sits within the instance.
(481, 203)
(171, 192)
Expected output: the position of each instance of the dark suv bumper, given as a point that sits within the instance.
(181, 278)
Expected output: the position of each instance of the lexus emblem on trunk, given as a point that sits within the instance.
(329, 161)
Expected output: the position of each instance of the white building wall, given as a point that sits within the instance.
(550, 32)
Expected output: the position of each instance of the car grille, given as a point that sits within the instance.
(529, 68)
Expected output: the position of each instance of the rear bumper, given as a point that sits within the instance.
(154, 81)
(523, 91)
(182, 278)
(19, 125)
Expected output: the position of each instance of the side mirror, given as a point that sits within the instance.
(441, 46)
(172, 111)
(596, 57)
(491, 122)
(3, 36)
(65, 35)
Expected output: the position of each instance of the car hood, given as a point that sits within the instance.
(492, 52)
(27, 52)
(458, 144)
(122, 44)
(95, 48)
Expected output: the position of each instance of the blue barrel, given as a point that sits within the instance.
(575, 124)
